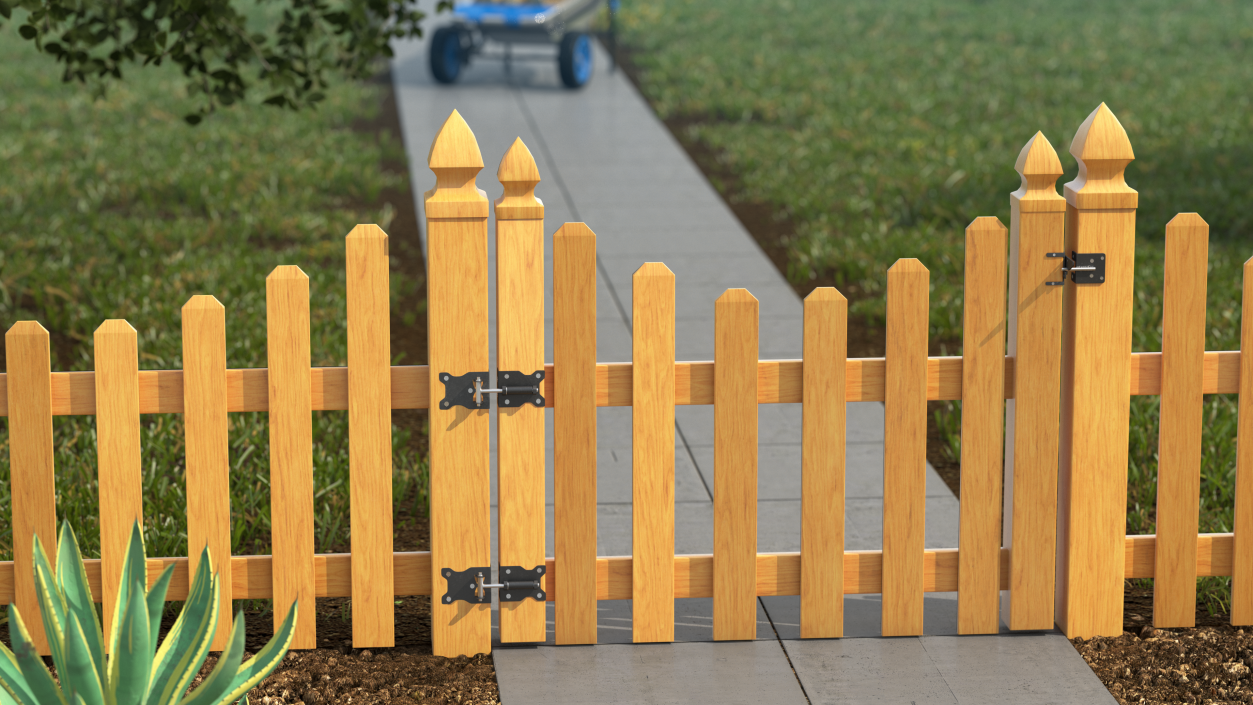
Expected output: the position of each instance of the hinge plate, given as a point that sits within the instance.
(1084, 267)
(472, 585)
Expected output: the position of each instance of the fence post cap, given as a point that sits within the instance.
(1038, 158)
(1104, 151)
(518, 175)
(454, 146)
(1101, 137)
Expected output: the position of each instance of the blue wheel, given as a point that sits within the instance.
(575, 60)
(448, 54)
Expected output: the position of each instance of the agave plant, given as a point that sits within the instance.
(136, 671)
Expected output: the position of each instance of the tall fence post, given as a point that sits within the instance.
(905, 448)
(117, 438)
(1037, 227)
(206, 428)
(370, 437)
(520, 348)
(574, 433)
(1096, 392)
(982, 435)
(457, 291)
(28, 367)
(1242, 560)
(1182, 407)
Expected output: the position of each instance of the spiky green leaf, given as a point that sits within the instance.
(72, 581)
(156, 603)
(179, 658)
(11, 682)
(35, 674)
(134, 573)
(219, 681)
(264, 663)
(51, 604)
(80, 676)
(130, 662)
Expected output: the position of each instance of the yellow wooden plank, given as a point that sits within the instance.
(1242, 576)
(1095, 402)
(32, 482)
(652, 448)
(1034, 322)
(208, 448)
(905, 448)
(117, 439)
(457, 286)
(370, 436)
(520, 347)
(735, 466)
(1179, 440)
(982, 428)
(291, 450)
(823, 430)
(574, 432)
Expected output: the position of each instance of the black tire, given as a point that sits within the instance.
(574, 60)
(448, 54)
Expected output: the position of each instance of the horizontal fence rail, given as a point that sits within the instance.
(779, 382)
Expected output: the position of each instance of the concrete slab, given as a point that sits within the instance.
(748, 672)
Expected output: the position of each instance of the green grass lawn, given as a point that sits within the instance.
(117, 209)
(881, 128)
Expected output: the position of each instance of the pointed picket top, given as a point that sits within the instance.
(287, 271)
(519, 175)
(203, 302)
(455, 146)
(116, 326)
(27, 328)
(825, 293)
(736, 296)
(908, 265)
(1103, 149)
(1039, 168)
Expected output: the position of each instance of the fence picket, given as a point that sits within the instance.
(291, 450)
(208, 448)
(1096, 403)
(1037, 227)
(652, 449)
(735, 465)
(905, 448)
(1242, 568)
(457, 285)
(982, 437)
(1179, 439)
(574, 432)
(32, 478)
(822, 463)
(520, 347)
(370, 437)
(117, 438)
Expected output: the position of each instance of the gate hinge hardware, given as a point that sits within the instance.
(516, 584)
(470, 391)
(1084, 268)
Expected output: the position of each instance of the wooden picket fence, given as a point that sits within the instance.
(1044, 451)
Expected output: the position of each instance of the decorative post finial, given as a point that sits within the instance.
(456, 161)
(1039, 168)
(1104, 151)
(519, 175)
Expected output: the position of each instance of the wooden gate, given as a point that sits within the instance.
(1047, 306)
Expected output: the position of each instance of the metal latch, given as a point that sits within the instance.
(1084, 268)
(514, 389)
(517, 584)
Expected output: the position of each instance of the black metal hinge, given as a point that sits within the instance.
(1084, 267)
(513, 389)
(472, 585)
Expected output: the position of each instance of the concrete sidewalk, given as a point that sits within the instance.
(606, 160)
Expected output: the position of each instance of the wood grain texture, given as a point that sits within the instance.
(370, 436)
(905, 448)
(1179, 439)
(457, 286)
(736, 333)
(982, 428)
(520, 346)
(117, 447)
(1096, 396)
(32, 481)
(1034, 322)
(652, 448)
(208, 448)
(291, 450)
(574, 432)
(1242, 575)
(823, 433)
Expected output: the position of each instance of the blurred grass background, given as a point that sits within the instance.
(117, 209)
(878, 129)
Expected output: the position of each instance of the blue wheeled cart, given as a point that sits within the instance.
(565, 25)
